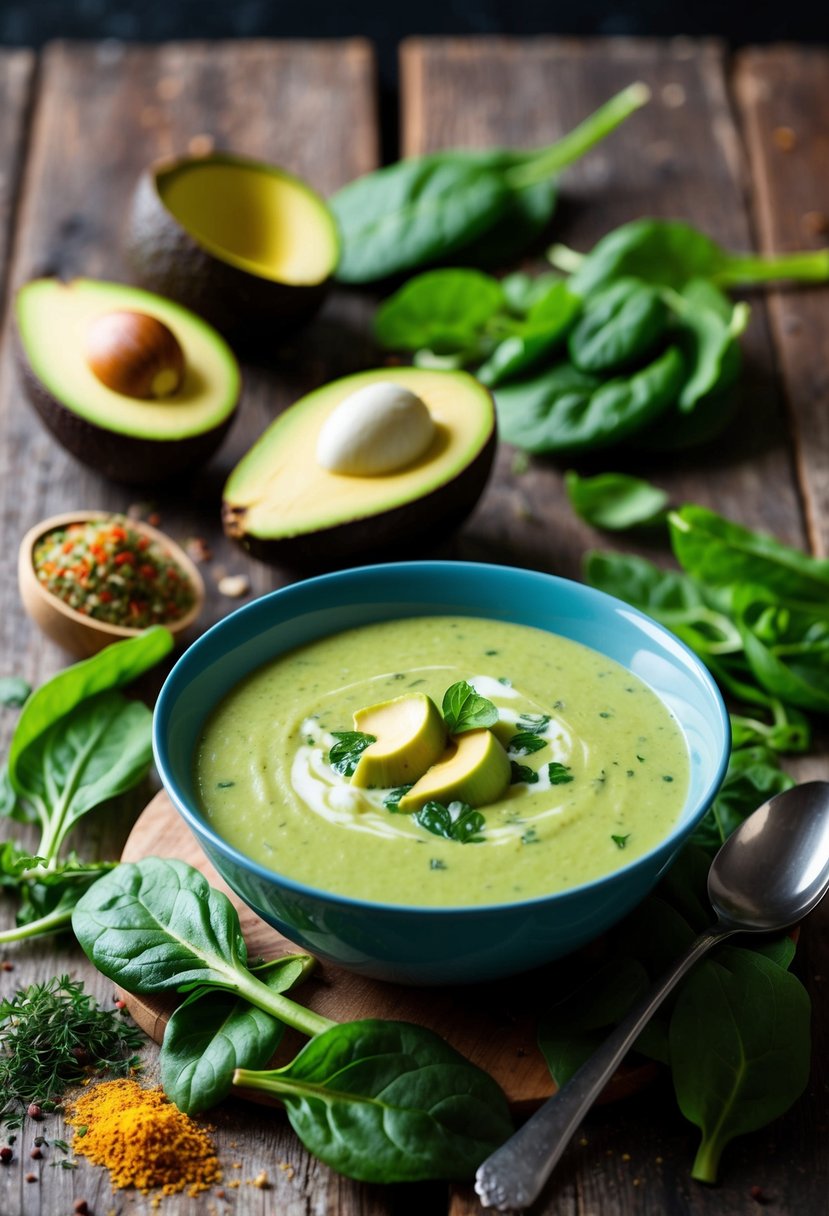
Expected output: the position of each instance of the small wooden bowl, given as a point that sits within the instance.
(81, 635)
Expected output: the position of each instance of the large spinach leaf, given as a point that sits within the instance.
(621, 325)
(566, 411)
(210, 1034)
(615, 501)
(720, 553)
(753, 776)
(388, 1102)
(441, 310)
(112, 667)
(739, 1044)
(428, 208)
(157, 925)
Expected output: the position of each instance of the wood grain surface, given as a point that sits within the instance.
(75, 130)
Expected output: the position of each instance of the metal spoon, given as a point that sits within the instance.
(769, 874)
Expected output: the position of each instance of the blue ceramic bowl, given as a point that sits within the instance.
(437, 945)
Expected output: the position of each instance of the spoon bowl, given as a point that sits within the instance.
(774, 868)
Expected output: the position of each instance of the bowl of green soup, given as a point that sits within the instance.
(440, 772)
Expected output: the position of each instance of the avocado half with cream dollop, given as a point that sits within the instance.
(131, 384)
(245, 244)
(286, 503)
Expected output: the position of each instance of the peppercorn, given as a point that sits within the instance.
(31, 1177)
(34, 1111)
(36, 1153)
(6, 1155)
(81, 1207)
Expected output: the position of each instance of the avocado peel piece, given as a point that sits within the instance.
(283, 507)
(244, 243)
(121, 435)
(409, 734)
(474, 769)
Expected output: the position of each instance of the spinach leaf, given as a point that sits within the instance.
(753, 775)
(536, 724)
(392, 799)
(442, 310)
(527, 342)
(210, 1034)
(786, 646)
(346, 752)
(709, 328)
(427, 208)
(525, 742)
(464, 709)
(621, 325)
(101, 749)
(457, 821)
(522, 774)
(720, 553)
(565, 410)
(668, 253)
(615, 501)
(559, 774)
(739, 1044)
(523, 291)
(112, 667)
(388, 1102)
(157, 925)
(14, 691)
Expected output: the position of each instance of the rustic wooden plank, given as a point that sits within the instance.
(783, 99)
(102, 113)
(680, 156)
(16, 70)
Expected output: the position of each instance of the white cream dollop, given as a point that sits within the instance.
(378, 429)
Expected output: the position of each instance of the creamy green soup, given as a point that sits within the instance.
(607, 784)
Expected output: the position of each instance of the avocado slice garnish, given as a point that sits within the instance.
(474, 769)
(410, 736)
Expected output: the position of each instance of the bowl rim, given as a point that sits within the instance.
(29, 582)
(668, 846)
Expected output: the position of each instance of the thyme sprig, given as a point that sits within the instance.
(52, 1036)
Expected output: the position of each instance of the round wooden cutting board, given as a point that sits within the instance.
(487, 1023)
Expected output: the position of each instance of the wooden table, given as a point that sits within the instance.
(732, 144)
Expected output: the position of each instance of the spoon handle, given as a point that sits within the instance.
(512, 1177)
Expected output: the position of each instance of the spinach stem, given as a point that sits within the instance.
(550, 161)
(805, 265)
(46, 924)
(297, 1016)
(564, 258)
(706, 1162)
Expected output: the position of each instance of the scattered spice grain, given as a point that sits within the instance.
(143, 1139)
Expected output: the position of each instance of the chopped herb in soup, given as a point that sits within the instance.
(539, 767)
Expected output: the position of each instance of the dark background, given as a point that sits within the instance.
(33, 22)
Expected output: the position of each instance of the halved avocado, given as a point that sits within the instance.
(410, 735)
(283, 506)
(126, 438)
(245, 244)
(473, 769)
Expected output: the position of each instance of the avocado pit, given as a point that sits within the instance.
(135, 354)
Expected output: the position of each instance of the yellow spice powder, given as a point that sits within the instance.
(143, 1139)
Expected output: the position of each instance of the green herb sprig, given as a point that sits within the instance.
(464, 709)
(53, 1035)
(348, 749)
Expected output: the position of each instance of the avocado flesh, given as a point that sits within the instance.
(410, 734)
(474, 769)
(52, 320)
(279, 491)
(253, 216)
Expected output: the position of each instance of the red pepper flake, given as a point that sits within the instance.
(6, 965)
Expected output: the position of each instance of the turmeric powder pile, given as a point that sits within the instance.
(142, 1139)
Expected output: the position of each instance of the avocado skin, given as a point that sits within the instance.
(123, 458)
(386, 535)
(164, 258)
